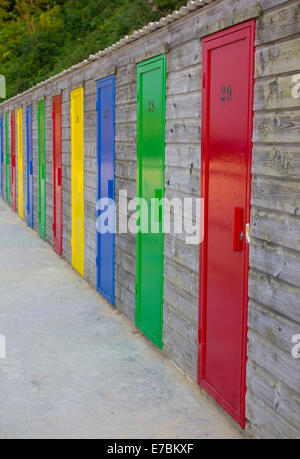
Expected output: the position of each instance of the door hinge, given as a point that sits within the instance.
(203, 81)
(97, 106)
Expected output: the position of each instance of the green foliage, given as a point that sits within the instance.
(40, 38)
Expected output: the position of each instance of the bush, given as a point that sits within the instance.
(40, 38)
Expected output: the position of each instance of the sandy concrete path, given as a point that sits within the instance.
(74, 366)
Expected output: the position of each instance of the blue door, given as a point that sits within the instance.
(106, 184)
(29, 166)
(2, 155)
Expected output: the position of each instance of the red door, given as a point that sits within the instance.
(13, 161)
(226, 161)
(57, 175)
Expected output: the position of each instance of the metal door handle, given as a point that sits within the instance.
(238, 234)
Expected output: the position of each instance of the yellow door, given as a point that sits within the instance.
(77, 240)
(20, 164)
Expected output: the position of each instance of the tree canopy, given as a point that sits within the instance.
(40, 38)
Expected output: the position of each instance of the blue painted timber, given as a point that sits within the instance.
(106, 184)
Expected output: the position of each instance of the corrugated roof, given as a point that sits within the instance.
(149, 28)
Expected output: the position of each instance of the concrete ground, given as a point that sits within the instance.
(74, 368)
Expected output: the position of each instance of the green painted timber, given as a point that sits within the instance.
(151, 94)
(42, 168)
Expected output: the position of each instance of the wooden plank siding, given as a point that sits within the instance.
(273, 396)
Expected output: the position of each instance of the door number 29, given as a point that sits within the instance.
(226, 93)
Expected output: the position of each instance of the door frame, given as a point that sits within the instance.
(207, 45)
(7, 160)
(30, 216)
(13, 160)
(57, 244)
(20, 162)
(78, 92)
(143, 67)
(41, 118)
(101, 84)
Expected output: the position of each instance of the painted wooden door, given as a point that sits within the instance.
(2, 156)
(42, 168)
(77, 186)
(13, 160)
(30, 217)
(57, 174)
(151, 91)
(7, 161)
(106, 184)
(226, 160)
(20, 163)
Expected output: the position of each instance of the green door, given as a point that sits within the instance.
(42, 169)
(151, 94)
(7, 179)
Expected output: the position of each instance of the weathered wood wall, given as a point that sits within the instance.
(273, 395)
(273, 375)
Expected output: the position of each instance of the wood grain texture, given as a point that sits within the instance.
(275, 93)
(276, 396)
(274, 279)
(276, 194)
(275, 361)
(266, 423)
(278, 23)
(278, 262)
(273, 327)
(279, 57)
(280, 297)
(276, 160)
(277, 126)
